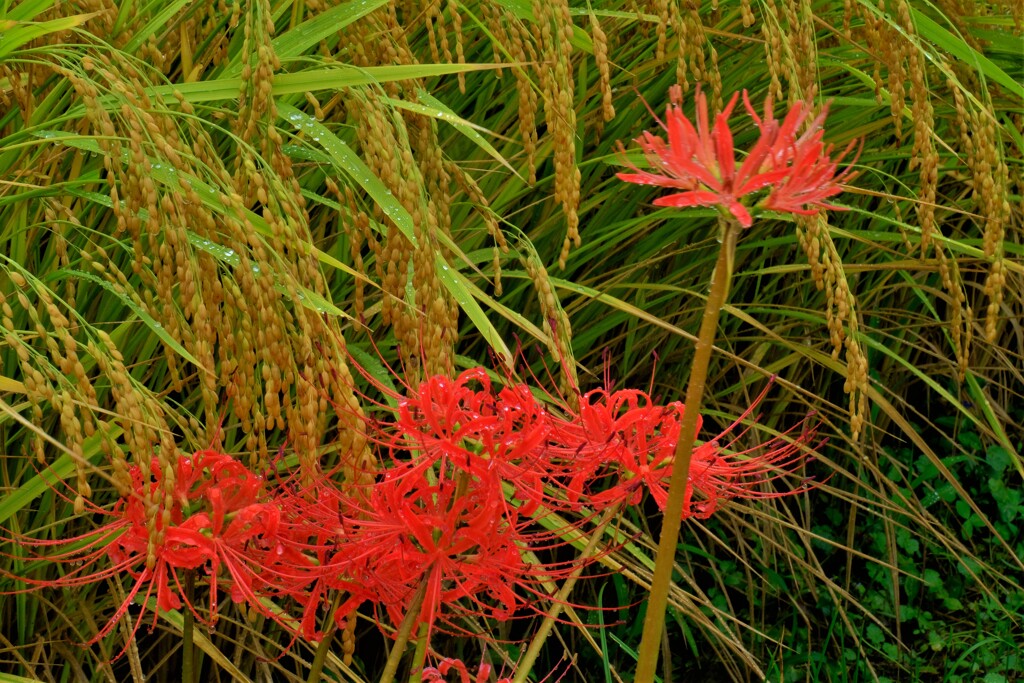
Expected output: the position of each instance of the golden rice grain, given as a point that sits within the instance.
(348, 641)
(662, 8)
(840, 311)
(746, 14)
(556, 323)
(774, 42)
(603, 67)
(460, 53)
(553, 32)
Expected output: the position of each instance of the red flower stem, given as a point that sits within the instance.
(560, 599)
(654, 621)
(404, 631)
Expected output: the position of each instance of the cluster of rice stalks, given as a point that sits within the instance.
(210, 209)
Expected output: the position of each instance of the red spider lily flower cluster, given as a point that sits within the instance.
(451, 520)
(470, 473)
(412, 532)
(474, 468)
(700, 160)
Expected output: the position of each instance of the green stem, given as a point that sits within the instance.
(187, 646)
(322, 650)
(654, 622)
(404, 631)
(419, 659)
(559, 600)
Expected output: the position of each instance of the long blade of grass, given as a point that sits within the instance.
(11, 385)
(430, 106)
(457, 284)
(20, 34)
(331, 78)
(959, 48)
(344, 159)
(27, 10)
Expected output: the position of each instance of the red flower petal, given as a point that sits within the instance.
(797, 170)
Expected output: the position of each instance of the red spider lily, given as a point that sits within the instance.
(312, 508)
(440, 515)
(458, 536)
(123, 542)
(625, 438)
(612, 432)
(701, 161)
(720, 473)
(470, 474)
(481, 430)
(221, 522)
(222, 519)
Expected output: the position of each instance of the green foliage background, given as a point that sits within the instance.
(906, 564)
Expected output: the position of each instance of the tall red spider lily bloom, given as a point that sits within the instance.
(454, 507)
(624, 440)
(701, 161)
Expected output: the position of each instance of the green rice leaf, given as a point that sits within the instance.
(343, 158)
(430, 106)
(330, 78)
(960, 49)
(297, 40)
(22, 33)
(155, 24)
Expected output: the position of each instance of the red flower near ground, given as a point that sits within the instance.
(455, 508)
(468, 518)
(701, 161)
(607, 440)
(221, 522)
(720, 472)
(457, 536)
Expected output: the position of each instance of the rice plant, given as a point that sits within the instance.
(336, 348)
